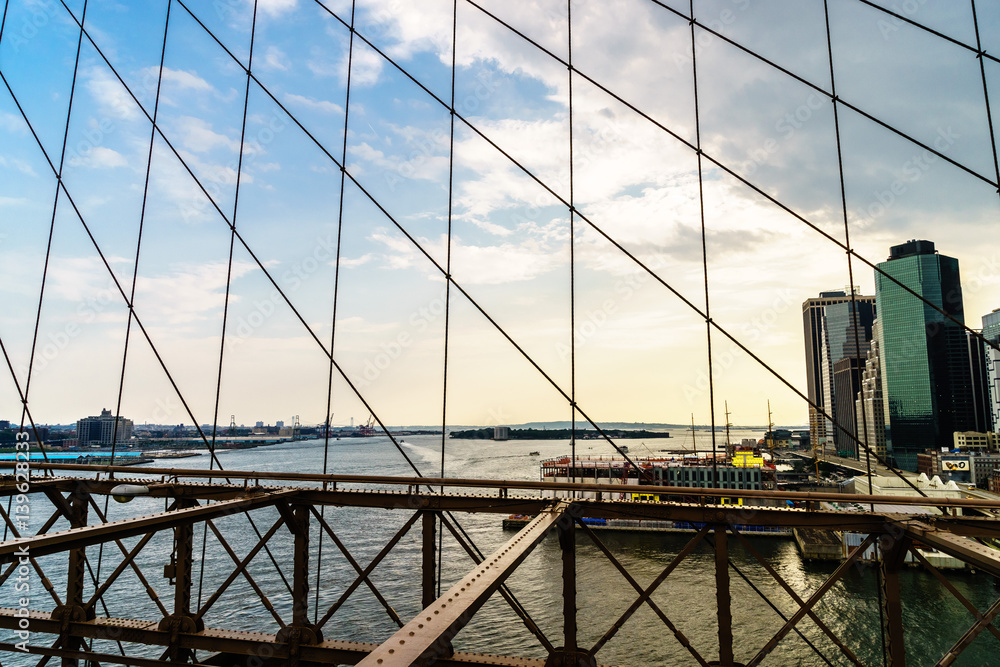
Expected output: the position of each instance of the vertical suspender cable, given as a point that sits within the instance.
(229, 278)
(336, 291)
(447, 277)
(704, 252)
(135, 272)
(855, 316)
(572, 252)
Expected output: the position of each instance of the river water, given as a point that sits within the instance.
(933, 618)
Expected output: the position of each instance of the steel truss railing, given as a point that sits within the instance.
(183, 635)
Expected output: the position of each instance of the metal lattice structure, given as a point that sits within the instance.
(83, 621)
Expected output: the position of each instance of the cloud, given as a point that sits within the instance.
(473, 264)
(275, 59)
(18, 164)
(11, 123)
(197, 135)
(183, 79)
(310, 103)
(100, 157)
(188, 292)
(277, 7)
(353, 262)
(110, 95)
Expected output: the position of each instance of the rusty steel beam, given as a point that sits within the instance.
(941, 538)
(150, 591)
(892, 552)
(235, 642)
(505, 592)
(723, 597)
(363, 576)
(415, 483)
(76, 512)
(428, 570)
(76, 538)
(241, 568)
(863, 522)
(425, 638)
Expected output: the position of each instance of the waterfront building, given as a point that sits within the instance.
(926, 379)
(501, 432)
(101, 431)
(820, 360)
(869, 406)
(991, 332)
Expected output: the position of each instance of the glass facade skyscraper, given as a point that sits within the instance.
(926, 378)
(847, 332)
(819, 361)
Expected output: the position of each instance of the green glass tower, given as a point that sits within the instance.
(926, 377)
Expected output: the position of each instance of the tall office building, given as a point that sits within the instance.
(991, 332)
(869, 406)
(101, 431)
(824, 345)
(926, 378)
(847, 332)
(982, 413)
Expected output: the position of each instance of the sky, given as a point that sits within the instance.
(502, 185)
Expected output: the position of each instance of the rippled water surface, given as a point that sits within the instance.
(933, 618)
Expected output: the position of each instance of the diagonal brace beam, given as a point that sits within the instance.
(368, 570)
(848, 653)
(357, 567)
(75, 538)
(641, 600)
(680, 636)
(813, 599)
(428, 636)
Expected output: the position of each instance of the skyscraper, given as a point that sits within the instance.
(847, 331)
(991, 332)
(869, 406)
(819, 359)
(926, 378)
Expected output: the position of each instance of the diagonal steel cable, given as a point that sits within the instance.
(704, 253)
(336, 294)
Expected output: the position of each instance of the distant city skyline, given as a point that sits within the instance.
(763, 155)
